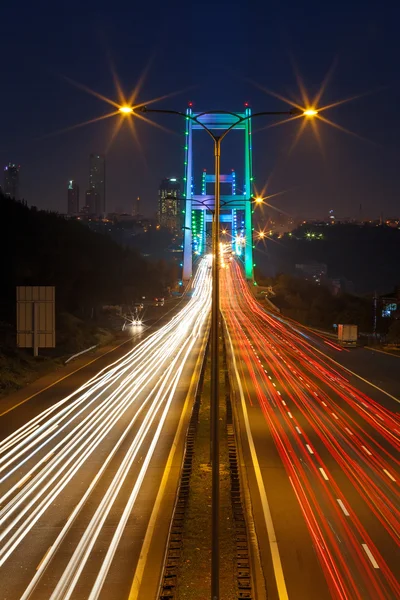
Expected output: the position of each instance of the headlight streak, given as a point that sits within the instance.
(69, 579)
(115, 369)
(81, 425)
(281, 364)
(168, 396)
(155, 357)
(113, 375)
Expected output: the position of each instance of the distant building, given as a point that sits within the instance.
(169, 209)
(93, 206)
(97, 181)
(73, 198)
(136, 207)
(341, 285)
(11, 181)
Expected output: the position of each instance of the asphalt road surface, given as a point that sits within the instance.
(321, 449)
(81, 473)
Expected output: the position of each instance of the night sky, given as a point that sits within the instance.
(211, 51)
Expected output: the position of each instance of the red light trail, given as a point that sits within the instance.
(336, 443)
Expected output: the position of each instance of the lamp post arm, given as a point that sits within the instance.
(293, 112)
(144, 109)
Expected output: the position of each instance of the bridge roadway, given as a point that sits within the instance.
(82, 463)
(320, 448)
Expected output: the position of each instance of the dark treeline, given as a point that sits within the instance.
(316, 306)
(88, 269)
(366, 255)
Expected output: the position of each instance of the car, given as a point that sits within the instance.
(137, 322)
(158, 301)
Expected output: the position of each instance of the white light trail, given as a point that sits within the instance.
(45, 454)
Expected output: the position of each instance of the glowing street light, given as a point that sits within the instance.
(261, 234)
(258, 200)
(310, 112)
(126, 110)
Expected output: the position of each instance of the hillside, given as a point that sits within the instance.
(366, 255)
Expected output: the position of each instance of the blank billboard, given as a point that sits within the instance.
(36, 309)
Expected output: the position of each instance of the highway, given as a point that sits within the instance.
(79, 480)
(320, 447)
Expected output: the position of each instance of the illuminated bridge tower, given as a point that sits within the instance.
(236, 209)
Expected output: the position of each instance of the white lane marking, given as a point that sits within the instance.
(278, 392)
(381, 351)
(342, 506)
(298, 430)
(336, 417)
(366, 450)
(290, 415)
(356, 375)
(348, 431)
(273, 542)
(274, 384)
(370, 556)
(284, 403)
(311, 451)
(324, 403)
(324, 475)
(389, 475)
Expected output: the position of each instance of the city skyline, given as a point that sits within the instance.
(219, 74)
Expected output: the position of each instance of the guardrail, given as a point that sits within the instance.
(79, 353)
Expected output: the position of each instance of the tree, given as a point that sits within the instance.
(393, 336)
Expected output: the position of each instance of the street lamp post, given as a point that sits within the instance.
(215, 305)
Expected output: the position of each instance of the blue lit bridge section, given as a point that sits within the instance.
(236, 209)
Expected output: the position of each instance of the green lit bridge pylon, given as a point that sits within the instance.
(236, 209)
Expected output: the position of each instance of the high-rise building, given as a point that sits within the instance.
(11, 181)
(73, 197)
(136, 207)
(169, 210)
(93, 203)
(97, 180)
